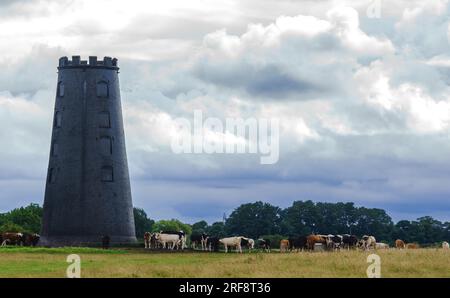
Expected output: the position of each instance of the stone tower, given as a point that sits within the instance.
(87, 191)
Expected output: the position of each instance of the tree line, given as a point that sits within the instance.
(261, 219)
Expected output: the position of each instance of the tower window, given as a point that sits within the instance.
(102, 89)
(60, 90)
(55, 149)
(52, 175)
(104, 120)
(58, 119)
(107, 174)
(106, 145)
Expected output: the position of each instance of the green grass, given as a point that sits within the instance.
(121, 262)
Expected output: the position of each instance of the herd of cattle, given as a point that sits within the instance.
(177, 240)
(24, 239)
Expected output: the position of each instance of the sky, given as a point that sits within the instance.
(361, 89)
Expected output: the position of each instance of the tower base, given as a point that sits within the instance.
(61, 241)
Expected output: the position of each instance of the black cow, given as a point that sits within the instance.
(297, 243)
(199, 239)
(349, 241)
(264, 244)
(212, 244)
(30, 239)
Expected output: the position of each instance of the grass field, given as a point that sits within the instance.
(46, 262)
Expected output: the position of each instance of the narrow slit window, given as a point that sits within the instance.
(58, 119)
(107, 174)
(55, 149)
(51, 175)
(106, 145)
(102, 89)
(60, 89)
(104, 120)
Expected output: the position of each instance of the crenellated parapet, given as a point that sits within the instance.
(76, 62)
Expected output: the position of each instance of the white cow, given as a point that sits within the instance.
(367, 242)
(380, 245)
(233, 242)
(170, 239)
(445, 245)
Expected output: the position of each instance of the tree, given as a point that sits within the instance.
(171, 225)
(217, 229)
(254, 219)
(374, 221)
(300, 219)
(29, 218)
(142, 223)
(199, 227)
(12, 228)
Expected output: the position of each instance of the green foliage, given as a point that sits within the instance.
(254, 219)
(171, 225)
(11, 227)
(217, 229)
(29, 218)
(199, 227)
(141, 222)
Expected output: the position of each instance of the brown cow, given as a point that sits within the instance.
(412, 246)
(399, 244)
(30, 239)
(147, 237)
(311, 240)
(284, 245)
(12, 239)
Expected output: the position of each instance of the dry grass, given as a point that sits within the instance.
(394, 263)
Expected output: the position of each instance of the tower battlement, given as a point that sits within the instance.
(76, 61)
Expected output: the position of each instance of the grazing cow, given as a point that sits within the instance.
(232, 242)
(12, 239)
(248, 242)
(334, 241)
(380, 245)
(30, 239)
(147, 238)
(367, 242)
(170, 239)
(297, 243)
(284, 245)
(212, 243)
(181, 235)
(349, 241)
(105, 241)
(264, 244)
(445, 245)
(399, 244)
(199, 239)
(311, 240)
(412, 246)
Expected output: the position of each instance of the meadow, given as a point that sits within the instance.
(51, 262)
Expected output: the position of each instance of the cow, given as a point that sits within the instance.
(181, 235)
(30, 239)
(264, 244)
(399, 244)
(212, 243)
(232, 242)
(334, 241)
(105, 241)
(311, 240)
(171, 240)
(367, 242)
(284, 245)
(147, 238)
(248, 242)
(199, 239)
(380, 245)
(412, 246)
(297, 243)
(12, 239)
(445, 245)
(349, 241)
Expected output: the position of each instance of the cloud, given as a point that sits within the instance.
(363, 103)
